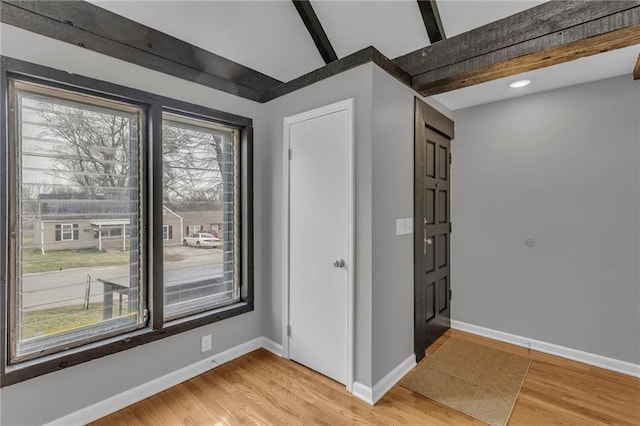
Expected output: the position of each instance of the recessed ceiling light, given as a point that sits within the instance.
(519, 83)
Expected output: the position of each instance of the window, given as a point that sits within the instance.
(66, 232)
(111, 232)
(191, 229)
(83, 177)
(201, 181)
(167, 232)
(75, 159)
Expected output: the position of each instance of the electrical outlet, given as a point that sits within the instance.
(205, 344)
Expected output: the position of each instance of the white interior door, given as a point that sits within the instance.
(320, 240)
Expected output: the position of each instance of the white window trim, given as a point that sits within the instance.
(165, 232)
(193, 229)
(62, 231)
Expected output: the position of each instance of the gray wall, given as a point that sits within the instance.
(392, 199)
(54, 395)
(354, 83)
(561, 167)
(384, 193)
(392, 188)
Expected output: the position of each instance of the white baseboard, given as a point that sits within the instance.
(373, 395)
(393, 377)
(363, 392)
(271, 346)
(612, 364)
(131, 396)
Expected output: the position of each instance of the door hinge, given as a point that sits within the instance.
(450, 294)
(290, 155)
(288, 331)
(450, 226)
(450, 158)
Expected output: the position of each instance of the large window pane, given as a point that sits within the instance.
(200, 206)
(76, 173)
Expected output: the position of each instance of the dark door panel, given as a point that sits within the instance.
(432, 315)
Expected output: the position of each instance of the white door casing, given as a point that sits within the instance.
(318, 224)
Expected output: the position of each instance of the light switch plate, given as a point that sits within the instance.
(399, 226)
(408, 225)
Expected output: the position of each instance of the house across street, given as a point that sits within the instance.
(76, 221)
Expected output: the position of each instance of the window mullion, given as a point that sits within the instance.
(154, 217)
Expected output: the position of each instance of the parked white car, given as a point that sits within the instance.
(201, 239)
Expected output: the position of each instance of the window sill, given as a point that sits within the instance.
(26, 370)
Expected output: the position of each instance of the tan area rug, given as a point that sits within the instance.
(479, 381)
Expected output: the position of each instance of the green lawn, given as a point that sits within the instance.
(56, 320)
(56, 260)
(34, 261)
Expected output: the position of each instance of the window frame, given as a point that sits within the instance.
(109, 234)
(191, 307)
(191, 229)
(169, 232)
(108, 327)
(74, 231)
(70, 226)
(152, 265)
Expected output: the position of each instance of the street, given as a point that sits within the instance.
(51, 289)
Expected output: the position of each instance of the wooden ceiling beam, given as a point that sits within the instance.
(636, 70)
(431, 19)
(94, 28)
(320, 39)
(545, 35)
(466, 74)
(548, 18)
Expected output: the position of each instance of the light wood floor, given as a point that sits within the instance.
(261, 388)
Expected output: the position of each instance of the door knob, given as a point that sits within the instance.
(339, 263)
(427, 241)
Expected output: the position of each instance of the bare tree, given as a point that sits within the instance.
(97, 152)
(94, 145)
(192, 162)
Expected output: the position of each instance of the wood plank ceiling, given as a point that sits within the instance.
(260, 50)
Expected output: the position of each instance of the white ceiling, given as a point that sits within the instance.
(459, 16)
(393, 27)
(270, 37)
(592, 68)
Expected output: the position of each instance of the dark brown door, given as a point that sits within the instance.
(432, 226)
